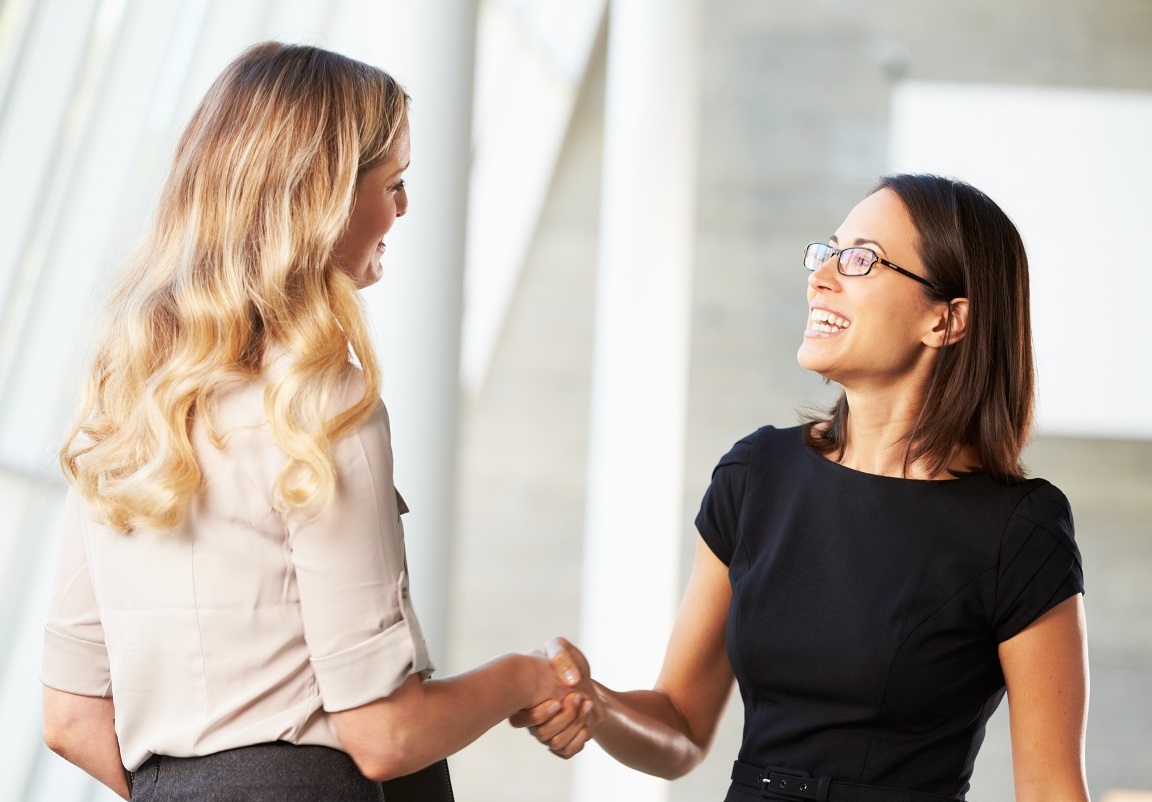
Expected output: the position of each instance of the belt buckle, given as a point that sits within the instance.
(795, 785)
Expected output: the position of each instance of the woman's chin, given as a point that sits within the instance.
(819, 364)
(809, 359)
(369, 276)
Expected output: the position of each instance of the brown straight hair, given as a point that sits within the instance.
(981, 391)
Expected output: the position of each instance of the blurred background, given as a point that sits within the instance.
(598, 289)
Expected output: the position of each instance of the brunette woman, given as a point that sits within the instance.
(876, 580)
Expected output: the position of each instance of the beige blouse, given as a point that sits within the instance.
(240, 627)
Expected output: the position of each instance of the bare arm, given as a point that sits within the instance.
(421, 722)
(1046, 672)
(81, 730)
(666, 731)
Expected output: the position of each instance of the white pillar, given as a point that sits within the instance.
(639, 383)
(416, 308)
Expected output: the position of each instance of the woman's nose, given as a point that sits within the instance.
(826, 275)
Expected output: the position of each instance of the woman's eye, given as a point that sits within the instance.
(399, 185)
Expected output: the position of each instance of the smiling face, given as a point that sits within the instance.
(380, 199)
(876, 330)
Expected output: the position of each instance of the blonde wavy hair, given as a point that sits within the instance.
(238, 261)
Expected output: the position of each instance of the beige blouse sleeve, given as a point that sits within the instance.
(75, 658)
(352, 575)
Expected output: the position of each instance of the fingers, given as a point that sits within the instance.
(565, 733)
(573, 747)
(566, 661)
(537, 714)
(570, 716)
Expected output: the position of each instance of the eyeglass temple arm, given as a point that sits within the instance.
(907, 273)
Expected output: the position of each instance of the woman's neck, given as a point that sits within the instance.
(876, 439)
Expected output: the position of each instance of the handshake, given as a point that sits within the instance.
(572, 705)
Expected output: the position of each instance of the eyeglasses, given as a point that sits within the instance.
(852, 261)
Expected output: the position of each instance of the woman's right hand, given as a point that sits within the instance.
(567, 726)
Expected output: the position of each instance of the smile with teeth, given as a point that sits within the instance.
(827, 322)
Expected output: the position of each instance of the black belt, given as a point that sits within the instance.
(775, 783)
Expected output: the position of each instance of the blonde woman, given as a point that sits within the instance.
(231, 618)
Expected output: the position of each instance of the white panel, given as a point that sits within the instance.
(38, 106)
(20, 741)
(13, 502)
(562, 32)
(40, 98)
(161, 123)
(1072, 168)
(531, 60)
(300, 22)
(374, 31)
(415, 308)
(228, 28)
(633, 519)
(15, 17)
(73, 239)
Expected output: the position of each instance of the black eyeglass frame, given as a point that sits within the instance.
(835, 253)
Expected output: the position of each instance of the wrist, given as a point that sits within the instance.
(527, 680)
(602, 707)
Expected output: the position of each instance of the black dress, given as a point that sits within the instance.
(867, 610)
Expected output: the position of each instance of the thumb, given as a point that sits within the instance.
(559, 653)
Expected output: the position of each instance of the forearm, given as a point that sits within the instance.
(422, 722)
(457, 710)
(1057, 790)
(665, 731)
(645, 731)
(81, 729)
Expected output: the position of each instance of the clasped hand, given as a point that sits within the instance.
(564, 725)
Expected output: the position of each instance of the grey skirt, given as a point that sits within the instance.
(274, 772)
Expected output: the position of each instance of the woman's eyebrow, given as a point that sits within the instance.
(859, 241)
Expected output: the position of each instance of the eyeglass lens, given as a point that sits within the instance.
(856, 261)
(816, 254)
(852, 261)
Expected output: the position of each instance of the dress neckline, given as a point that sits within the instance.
(847, 471)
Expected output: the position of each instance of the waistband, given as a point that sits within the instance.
(268, 772)
(774, 783)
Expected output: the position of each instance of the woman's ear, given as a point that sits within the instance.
(951, 326)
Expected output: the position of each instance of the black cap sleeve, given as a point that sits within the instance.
(719, 513)
(1039, 561)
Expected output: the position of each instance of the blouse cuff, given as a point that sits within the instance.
(373, 669)
(75, 666)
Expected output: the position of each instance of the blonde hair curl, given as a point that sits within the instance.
(238, 264)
